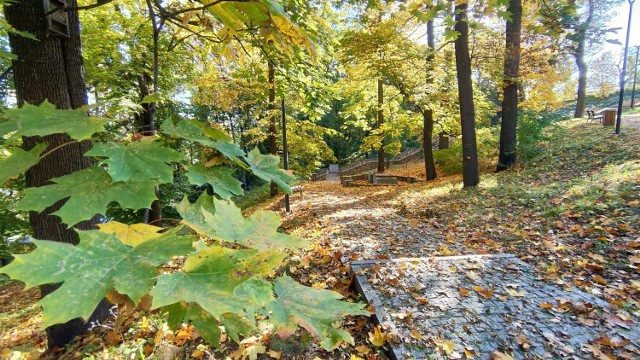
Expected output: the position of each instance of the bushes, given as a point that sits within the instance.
(531, 133)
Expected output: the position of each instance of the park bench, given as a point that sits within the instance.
(591, 116)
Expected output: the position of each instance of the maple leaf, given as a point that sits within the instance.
(196, 131)
(212, 278)
(377, 337)
(19, 162)
(141, 159)
(45, 119)
(84, 201)
(444, 345)
(486, 293)
(132, 235)
(266, 168)
(223, 220)
(497, 355)
(314, 309)
(99, 263)
(220, 178)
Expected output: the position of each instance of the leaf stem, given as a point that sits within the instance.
(56, 148)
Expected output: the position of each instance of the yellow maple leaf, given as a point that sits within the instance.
(377, 337)
(132, 235)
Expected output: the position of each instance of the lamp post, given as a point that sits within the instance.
(635, 77)
(624, 69)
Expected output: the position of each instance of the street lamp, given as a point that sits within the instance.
(635, 78)
(624, 69)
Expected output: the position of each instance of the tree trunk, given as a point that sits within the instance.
(582, 78)
(443, 140)
(273, 146)
(52, 69)
(427, 144)
(380, 123)
(427, 114)
(508, 128)
(470, 174)
(146, 126)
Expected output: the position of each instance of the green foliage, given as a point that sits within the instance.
(265, 167)
(222, 284)
(141, 159)
(84, 200)
(220, 178)
(314, 309)
(19, 162)
(531, 132)
(101, 262)
(45, 119)
(228, 281)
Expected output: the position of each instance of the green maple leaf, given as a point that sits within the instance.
(205, 135)
(19, 162)
(266, 168)
(89, 192)
(45, 119)
(207, 325)
(193, 214)
(223, 220)
(314, 309)
(141, 159)
(258, 231)
(98, 264)
(221, 178)
(211, 276)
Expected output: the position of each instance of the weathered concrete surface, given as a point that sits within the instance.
(484, 305)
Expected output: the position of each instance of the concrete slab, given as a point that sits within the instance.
(481, 304)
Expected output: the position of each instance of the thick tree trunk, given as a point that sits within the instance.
(427, 114)
(273, 146)
(582, 79)
(470, 174)
(508, 129)
(380, 123)
(51, 69)
(427, 144)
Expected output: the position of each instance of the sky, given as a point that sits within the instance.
(620, 20)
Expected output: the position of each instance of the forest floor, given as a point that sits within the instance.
(572, 213)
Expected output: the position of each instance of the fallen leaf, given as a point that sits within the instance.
(363, 349)
(546, 305)
(416, 335)
(486, 293)
(522, 340)
(377, 337)
(598, 279)
(497, 355)
(464, 292)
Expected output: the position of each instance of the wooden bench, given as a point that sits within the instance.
(591, 116)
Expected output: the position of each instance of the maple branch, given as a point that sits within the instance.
(56, 148)
(203, 7)
(165, 219)
(77, 8)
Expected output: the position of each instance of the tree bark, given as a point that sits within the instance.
(581, 102)
(146, 126)
(427, 114)
(51, 69)
(470, 174)
(273, 146)
(508, 128)
(427, 144)
(380, 123)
